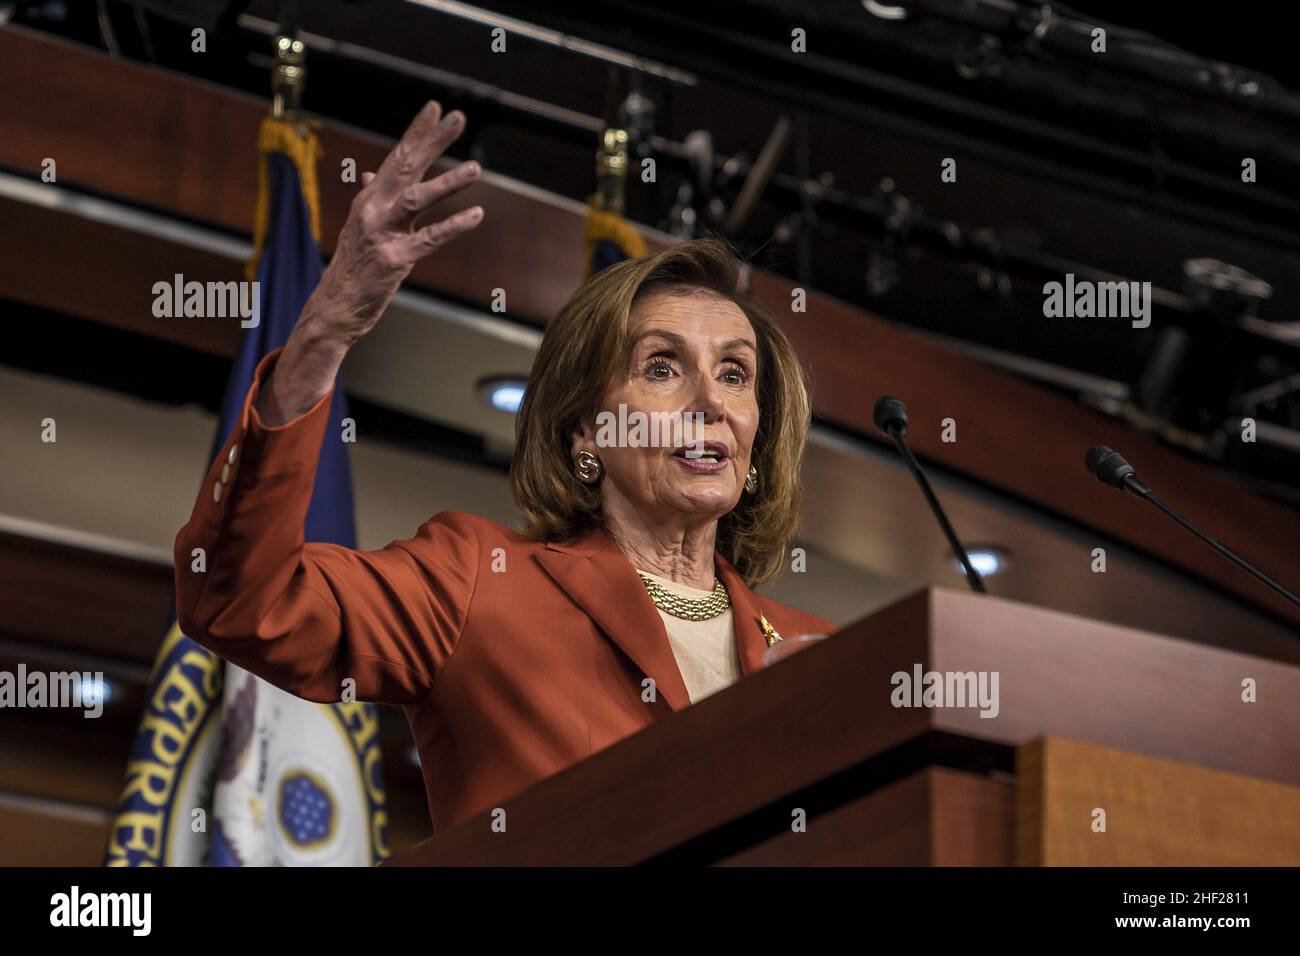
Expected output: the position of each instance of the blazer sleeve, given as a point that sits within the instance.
(307, 617)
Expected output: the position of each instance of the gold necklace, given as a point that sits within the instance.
(688, 609)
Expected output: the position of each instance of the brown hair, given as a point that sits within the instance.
(587, 344)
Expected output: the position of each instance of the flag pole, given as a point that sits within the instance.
(283, 131)
(611, 170)
(288, 76)
(608, 234)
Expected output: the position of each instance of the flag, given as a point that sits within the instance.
(227, 770)
(610, 239)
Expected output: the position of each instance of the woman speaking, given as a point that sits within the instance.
(625, 596)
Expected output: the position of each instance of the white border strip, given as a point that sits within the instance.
(121, 216)
(83, 540)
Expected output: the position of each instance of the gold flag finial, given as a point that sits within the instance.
(611, 170)
(288, 76)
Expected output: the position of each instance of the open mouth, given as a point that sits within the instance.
(709, 452)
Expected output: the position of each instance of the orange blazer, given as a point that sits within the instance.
(512, 658)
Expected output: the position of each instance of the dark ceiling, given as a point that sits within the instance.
(1126, 163)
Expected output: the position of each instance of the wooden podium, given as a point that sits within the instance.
(1110, 746)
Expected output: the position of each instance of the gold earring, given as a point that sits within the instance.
(587, 467)
(751, 480)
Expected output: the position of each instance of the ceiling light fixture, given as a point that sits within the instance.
(886, 11)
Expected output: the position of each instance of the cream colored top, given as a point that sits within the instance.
(706, 651)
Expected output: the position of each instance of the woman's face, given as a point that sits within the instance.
(691, 353)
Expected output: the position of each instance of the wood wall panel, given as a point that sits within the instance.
(33, 834)
(1157, 812)
(935, 817)
(187, 148)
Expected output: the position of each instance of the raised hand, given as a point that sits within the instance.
(377, 248)
(382, 239)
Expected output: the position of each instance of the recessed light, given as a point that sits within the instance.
(505, 393)
(94, 692)
(988, 561)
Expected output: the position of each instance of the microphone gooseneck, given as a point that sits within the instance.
(891, 418)
(1110, 468)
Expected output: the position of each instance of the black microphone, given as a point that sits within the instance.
(891, 418)
(1110, 467)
